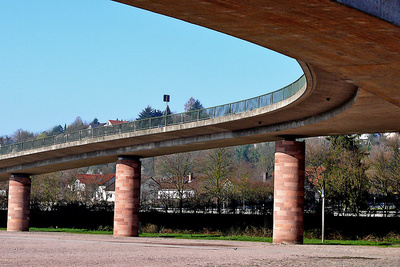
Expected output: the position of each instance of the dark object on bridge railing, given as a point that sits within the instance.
(156, 122)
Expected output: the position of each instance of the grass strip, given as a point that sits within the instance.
(71, 230)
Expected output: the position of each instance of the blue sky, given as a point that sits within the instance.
(99, 58)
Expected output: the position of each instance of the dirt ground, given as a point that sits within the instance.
(61, 249)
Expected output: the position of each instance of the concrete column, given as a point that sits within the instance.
(127, 197)
(19, 195)
(289, 192)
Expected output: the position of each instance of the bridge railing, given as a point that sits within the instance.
(156, 122)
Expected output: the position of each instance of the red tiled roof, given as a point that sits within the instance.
(113, 122)
(98, 179)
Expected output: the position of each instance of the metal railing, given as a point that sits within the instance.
(156, 122)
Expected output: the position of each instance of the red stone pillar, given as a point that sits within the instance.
(289, 192)
(127, 197)
(19, 195)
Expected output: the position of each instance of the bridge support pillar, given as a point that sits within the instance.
(289, 192)
(19, 194)
(127, 197)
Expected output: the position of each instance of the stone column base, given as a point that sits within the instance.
(19, 203)
(127, 197)
(289, 192)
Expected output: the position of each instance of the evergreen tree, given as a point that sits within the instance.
(242, 153)
(146, 113)
(149, 112)
(168, 110)
(196, 105)
(158, 113)
(57, 130)
(95, 121)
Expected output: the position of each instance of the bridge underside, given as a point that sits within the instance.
(346, 44)
(350, 58)
(351, 61)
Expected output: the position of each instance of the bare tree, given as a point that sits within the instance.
(78, 124)
(317, 150)
(242, 182)
(384, 172)
(217, 169)
(52, 188)
(175, 169)
(263, 158)
(21, 136)
(345, 180)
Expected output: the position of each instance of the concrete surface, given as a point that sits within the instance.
(57, 249)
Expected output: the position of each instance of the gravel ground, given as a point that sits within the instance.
(61, 249)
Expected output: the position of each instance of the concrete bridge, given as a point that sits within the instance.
(351, 63)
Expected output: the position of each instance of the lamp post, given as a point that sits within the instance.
(166, 100)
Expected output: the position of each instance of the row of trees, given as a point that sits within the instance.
(21, 135)
(149, 112)
(356, 174)
(221, 181)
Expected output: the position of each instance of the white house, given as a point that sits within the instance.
(3, 193)
(167, 189)
(97, 186)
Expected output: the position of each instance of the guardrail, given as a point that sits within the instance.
(156, 122)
